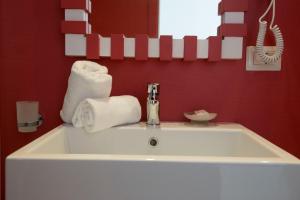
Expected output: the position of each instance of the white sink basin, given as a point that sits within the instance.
(219, 162)
(174, 139)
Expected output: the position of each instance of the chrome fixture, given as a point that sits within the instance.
(153, 104)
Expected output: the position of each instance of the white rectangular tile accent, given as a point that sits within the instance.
(129, 47)
(89, 28)
(87, 4)
(75, 45)
(233, 18)
(178, 48)
(90, 6)
(202, 49)
(232, 48)
(76, 15)
(105, 46)
(153, 48)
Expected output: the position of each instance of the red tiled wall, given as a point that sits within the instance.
(133, 15)
(33, 67)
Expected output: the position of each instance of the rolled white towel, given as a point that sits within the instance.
(87, 80)
(99, 114)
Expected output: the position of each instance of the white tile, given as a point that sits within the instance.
(233, 18)
(202, 49)
(75, 45)
(76, 15)
(105, 46)
(153, 48)
(178, 48)
(129, 47)
(232, 48)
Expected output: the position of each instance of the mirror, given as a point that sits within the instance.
(155, 17)
(101, 33)
(189, 17)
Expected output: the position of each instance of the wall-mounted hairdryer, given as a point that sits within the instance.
(269, 59)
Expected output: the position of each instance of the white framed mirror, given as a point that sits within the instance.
(82, 38)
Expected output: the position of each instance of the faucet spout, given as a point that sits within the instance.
(153, 104)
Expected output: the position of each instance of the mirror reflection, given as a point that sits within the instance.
(188, 17)
(155, 17)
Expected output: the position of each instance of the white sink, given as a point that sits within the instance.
(189, 162)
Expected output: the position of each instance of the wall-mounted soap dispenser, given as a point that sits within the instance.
(28, 117)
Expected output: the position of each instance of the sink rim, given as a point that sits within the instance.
(283, 156)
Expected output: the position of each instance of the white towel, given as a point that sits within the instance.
(99, 114)
(87, 80)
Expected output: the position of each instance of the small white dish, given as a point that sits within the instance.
(200, 116)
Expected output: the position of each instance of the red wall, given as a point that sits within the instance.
(143, 17)
(33, 67)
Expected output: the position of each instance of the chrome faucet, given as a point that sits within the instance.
(153, 104)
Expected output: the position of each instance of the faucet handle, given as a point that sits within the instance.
(153, 89)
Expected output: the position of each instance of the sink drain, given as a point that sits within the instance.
(153, 141)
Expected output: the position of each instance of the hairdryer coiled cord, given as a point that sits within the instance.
(261, 38)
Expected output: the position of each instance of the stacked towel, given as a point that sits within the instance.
(98, 114)
(87, 80)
